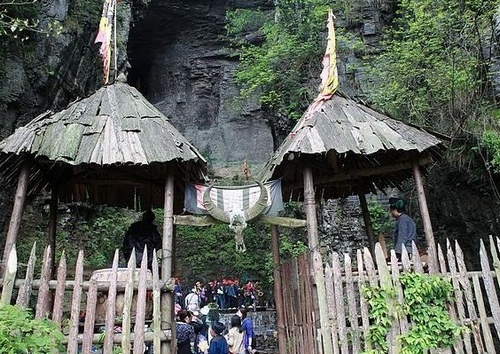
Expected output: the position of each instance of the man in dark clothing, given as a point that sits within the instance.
(405, 232)
(140, 234)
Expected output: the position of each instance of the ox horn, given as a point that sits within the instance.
(224, 216)
(212, 209)
(260, 205)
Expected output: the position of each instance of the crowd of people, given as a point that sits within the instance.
(226, 293)
(201, 332)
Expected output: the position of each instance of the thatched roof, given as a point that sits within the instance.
(109, 148)
(351, 149)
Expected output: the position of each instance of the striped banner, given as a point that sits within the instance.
(233, 198)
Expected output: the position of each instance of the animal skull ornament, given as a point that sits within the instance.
(237, 219)
(237, 223)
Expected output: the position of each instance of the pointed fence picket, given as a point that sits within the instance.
(476, 304)
(72, 303)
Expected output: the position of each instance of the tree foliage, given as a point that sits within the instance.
(279, 53)
(19, 17)
(436, 70)
(21, 333)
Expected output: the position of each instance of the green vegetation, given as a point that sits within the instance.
(425, 305)
(380, 217)
(434, 63)
(21, 333)
(280, 53)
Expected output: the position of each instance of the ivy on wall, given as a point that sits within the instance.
(425, 305)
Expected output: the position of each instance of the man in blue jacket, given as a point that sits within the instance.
(405, 232)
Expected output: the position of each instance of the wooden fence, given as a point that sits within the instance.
(476, 303)
(121, 309)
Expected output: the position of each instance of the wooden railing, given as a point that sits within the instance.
(120, 309)
(476, 303)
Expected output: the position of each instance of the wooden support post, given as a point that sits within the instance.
(317, 263)
(424, 213)
(52, 229)
(278, 298)
(167, 300)
(368, 223)
(17, 213)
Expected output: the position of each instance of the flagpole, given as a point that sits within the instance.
(114, 40)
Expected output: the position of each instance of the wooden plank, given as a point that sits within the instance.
(110, 151)
(490, 287)
(156, 325)
(140, 317)
(457, 345)
(351, 302)
(57, 311)
(459, 297)
(68, 145)
(339, 303)
(207, 220)
(417, 262)
(118, 337)
(136, 148)
(483, 319)
(312, 310)
(403, 322)
(111, 308)
(69, 284)
(370, 268)
(494, 256)
(386, 283)
(405, 260)
(127, 304)
(88, 327)
(9, 276)
(332, 309)
(75, 306)
(469, 299)
(17, 212)
(27, 286)
(365, 320)
(43, 301)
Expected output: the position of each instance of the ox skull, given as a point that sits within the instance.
(237, 219)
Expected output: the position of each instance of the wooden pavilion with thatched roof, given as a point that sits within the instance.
(114, 148)
(339, 148)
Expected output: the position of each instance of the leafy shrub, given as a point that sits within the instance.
(21, 333)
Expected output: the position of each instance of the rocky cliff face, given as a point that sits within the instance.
(181, 63)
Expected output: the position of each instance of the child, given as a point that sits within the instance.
(235, 337)
(218, 344)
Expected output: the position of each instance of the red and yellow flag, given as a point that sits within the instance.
(329, 75)
(104, 36)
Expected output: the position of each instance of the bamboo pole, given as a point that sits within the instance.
(167, 301)
(52, 229)
(9, 277)
(368, 222)
(278, 298)
(424, 213)
(317, 263)
(17, 213)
